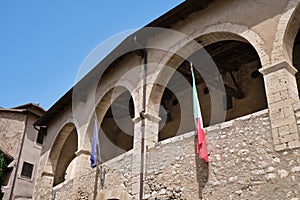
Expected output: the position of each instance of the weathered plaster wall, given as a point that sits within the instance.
(13, 126)
(11, 130)
(30, 153)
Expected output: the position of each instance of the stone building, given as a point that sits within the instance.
(245, 56)
(22, 145)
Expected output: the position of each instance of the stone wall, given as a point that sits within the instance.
(16, 132)
(243, 165)
(12, 126)
(117, 175)
(171, 171)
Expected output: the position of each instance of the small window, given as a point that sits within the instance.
(40, 136)
(27, 170)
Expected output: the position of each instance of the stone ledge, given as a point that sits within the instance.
(220, 126)
(47, 174)
(82, 151)
(278, 66)
(119, 157)
(227, 124)
(296, 106)
(147, 115)
(177, 138)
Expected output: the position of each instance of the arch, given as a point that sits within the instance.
(103, 106)
(170, 63)
(286, 32)
(62, 152)
(71, 120)
(104, 96)
(211, 34)
(230, 31)
(296, 58)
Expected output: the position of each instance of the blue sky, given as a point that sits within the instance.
(43, 43)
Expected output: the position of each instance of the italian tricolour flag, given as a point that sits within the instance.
(201, 143)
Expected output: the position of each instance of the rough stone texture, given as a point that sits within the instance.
(253, 157)
(171, 171)
(117, 175)
(11, 129)
(282, 93)
(243, 165)
(18, 140)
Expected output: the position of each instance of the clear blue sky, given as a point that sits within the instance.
(43, 43)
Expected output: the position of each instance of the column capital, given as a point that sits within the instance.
(50, 174)
(147, 115)
(82, 152)
(277, 66)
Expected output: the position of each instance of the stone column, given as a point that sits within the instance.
(82, 162)
(151, 129)
(44, 190)
(282, 93)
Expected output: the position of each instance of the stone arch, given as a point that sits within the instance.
(286, 32)
(103, 104)
(62, 152)
(103, 97)
(229, 31)
(211, 34)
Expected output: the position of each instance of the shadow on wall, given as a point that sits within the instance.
(202, 170)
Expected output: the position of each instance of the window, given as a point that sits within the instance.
(40, 136)
(27, 170)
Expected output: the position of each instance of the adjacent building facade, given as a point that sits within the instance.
(246, 56)
(21, 144)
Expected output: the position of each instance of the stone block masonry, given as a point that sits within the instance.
(243, 165)
(282, 94)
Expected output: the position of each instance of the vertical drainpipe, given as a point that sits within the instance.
(19, 157)
(142, 115)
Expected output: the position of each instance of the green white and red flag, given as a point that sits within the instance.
(201, 143)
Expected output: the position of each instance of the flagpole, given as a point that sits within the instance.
(96, 159)
(142, 115)
(96, 183)
(100, 163)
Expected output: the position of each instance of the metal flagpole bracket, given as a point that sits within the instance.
(102, 175)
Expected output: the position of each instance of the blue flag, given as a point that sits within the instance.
(95, 143)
